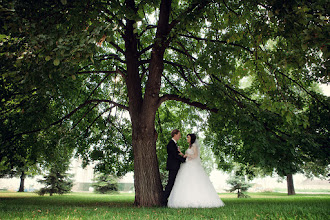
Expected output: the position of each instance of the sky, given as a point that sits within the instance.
(326, 89)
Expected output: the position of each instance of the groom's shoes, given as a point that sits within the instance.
(164, 204)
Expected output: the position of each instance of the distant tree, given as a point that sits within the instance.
(57, 163)
(240, 184)
(105, 183)
(57, 182)
(20, 161)
(23, 171)
(26, 171)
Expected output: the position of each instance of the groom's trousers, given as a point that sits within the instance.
(171, 179)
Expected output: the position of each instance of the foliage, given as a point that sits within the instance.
(240, 184)
(299, 149)
(30, 171)
(58, 150)
(56, 182)
(104, 183)
(315, 141)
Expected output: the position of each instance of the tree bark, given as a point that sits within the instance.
(21, 186)
(147, 183)
(143, 107)
(289, 180)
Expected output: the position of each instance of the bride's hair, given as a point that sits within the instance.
(192, 138)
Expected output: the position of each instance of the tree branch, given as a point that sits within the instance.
(183, 52)
(217, 41)
(114, 56)
(297, 83)
(98, 85)
(118, 20)
(108, 101)
(193, 8)
(167, 97)
(214, 110)
(141, 62)
(120, 131)
(192, 59)
(230, 8)
(147, 28)
(171, 84)
(234, 90)
(95, 71)
(117, 47)
(71, 113)
(146, 49)
(89, 110)
(101, 71)
(181, 71)
(84, 104)
(90, 125)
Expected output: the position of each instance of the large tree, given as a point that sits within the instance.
(144, 54)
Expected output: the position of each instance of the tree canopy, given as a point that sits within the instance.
(86, 63)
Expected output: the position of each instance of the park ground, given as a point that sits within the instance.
(15, 205)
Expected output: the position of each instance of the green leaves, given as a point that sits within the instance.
(56, 62)
(48, 58)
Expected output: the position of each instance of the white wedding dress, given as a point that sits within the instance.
(192, 187)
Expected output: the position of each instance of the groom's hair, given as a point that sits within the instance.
(174, 132)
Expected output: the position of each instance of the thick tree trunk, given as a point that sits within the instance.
(21, 186)
(143, 107)
(289, 180)
(148, 187)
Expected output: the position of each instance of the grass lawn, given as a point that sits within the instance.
(95, 206)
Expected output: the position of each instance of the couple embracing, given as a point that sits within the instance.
(188, 184)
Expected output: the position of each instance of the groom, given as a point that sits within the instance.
(174, 159)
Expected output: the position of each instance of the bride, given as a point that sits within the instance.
(192, 187)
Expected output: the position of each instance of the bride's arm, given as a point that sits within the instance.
(193, 156)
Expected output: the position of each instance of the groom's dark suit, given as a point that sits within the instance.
(172, 165)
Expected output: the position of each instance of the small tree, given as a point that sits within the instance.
(105, 183)
(240, 184)
(56, 181)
